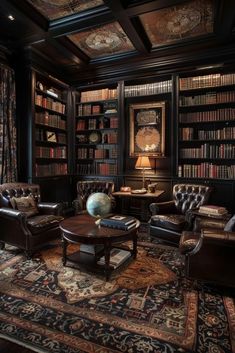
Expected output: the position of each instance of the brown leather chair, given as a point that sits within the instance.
(87, 187)
(25, 221)
(209, 255)
(169, 219)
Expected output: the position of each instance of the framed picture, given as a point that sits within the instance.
(147, 129)
(51, 136)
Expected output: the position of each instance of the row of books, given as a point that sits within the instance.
(51, 152)
(206, 150)
(84, 153)
(96, 95)
(44, 118)
(189, 133)
(213, 210)
(204, 81)
(42, 135)
(92, 124)
(206, 170)
(119, 222)
(89, 109)
(148, 89)
(50, 103)
(51, 169)
(207, 98)
(210, 115)
(97, 168)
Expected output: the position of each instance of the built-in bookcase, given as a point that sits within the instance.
(97, 126)
(50, 126)
(206, 126)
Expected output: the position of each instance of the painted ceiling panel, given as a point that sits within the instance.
(54, 9)
(174, 23)
(102, 41)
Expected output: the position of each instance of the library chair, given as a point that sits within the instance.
(87, 187)
(25, 221)
(209, 253)
(169, 219)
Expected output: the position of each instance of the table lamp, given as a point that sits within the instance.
(143, 163)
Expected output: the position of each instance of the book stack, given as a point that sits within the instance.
(117, 257)
(119, 222)
(213, 210)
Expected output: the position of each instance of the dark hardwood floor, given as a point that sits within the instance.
(9, 347)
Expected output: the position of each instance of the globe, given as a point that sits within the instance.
(98, 205)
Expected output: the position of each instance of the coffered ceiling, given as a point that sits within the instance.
(83, 40)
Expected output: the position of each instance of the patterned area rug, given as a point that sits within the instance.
(146, 308)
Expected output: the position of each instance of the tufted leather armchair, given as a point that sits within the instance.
(27, 230)
(209, 255)
(170, 218)
(86, 187)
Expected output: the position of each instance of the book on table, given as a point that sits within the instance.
(117, 257)
(213, 210)
(119, 222)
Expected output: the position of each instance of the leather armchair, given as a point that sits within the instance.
(170, 218)
(209, 255)
(27, 230)
(86, 187)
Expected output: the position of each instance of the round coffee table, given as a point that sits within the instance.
(82, 229)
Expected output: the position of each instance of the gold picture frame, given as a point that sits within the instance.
(147, 129)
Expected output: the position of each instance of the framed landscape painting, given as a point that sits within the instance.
(147, 129)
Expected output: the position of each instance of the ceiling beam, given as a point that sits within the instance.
(152, 6)
(141, 44)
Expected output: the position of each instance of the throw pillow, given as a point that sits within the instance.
(25, 204)
(230, 226)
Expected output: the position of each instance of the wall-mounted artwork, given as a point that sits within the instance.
(147, 129)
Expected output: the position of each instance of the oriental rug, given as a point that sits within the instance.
(148, 307)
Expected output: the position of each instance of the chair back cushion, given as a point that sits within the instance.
(189, 196)
(9, 192)
(87, 187)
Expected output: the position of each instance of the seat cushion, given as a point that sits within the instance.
(170, 221)
(188, 242)
(37, 224)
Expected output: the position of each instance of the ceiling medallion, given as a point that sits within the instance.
(103, 40)
(182, 21)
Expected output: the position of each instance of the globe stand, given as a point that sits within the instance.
(97, 222)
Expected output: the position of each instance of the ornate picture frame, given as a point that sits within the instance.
(147, 129)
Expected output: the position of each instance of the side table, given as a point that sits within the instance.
(136, 205)
(206, 220)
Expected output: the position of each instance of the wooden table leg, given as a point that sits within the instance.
(64, 244)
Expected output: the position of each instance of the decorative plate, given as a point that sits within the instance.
(94, 137)
(147, 139)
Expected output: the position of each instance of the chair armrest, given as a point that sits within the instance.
(50, 208)
(162, 207)
(13, 221)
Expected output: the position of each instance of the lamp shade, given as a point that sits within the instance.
(143, 162)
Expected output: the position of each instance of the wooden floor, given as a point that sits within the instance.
(9, 347)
